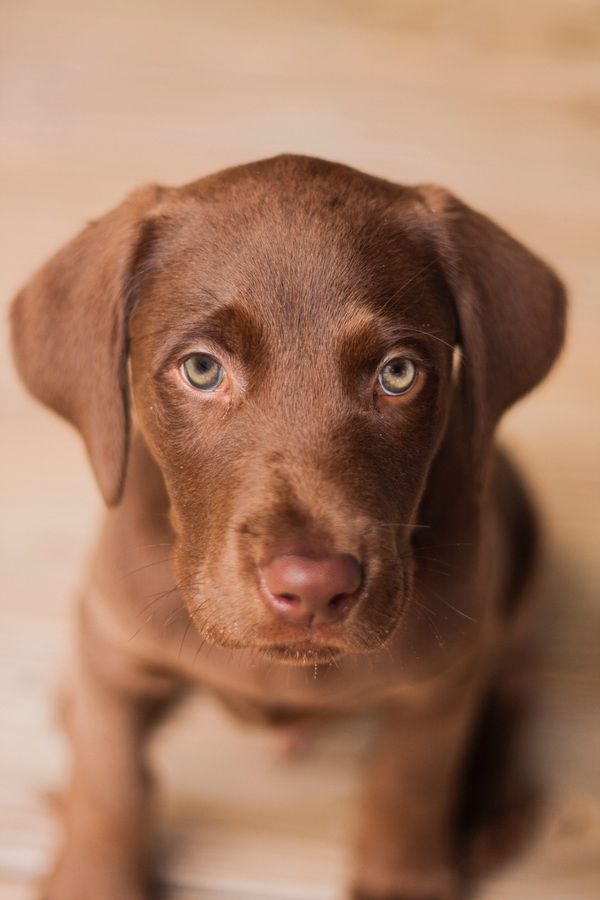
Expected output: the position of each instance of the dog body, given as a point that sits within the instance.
(308, 515)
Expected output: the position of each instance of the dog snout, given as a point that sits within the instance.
(308, 591)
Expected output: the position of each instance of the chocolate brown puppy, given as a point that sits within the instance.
(288, 376)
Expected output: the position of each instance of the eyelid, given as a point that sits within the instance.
(177, 347)
(181, 363)
(179, 356)
(418, 358)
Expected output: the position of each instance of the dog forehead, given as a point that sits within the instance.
(298, 245)
(287, 203)
(295, 176)
(265, 230)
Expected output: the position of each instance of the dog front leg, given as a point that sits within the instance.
(406, 848)
(111, 703)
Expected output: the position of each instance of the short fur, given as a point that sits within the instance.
(301, 275)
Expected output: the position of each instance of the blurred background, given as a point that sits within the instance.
(500, 101)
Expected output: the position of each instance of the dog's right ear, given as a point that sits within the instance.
(69, 333)
(510, 307)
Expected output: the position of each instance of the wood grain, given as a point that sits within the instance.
(500, 101)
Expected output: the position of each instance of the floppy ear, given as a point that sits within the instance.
(69, 334)
(511, 313)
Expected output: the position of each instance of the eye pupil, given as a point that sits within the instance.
(203, 371)
(398, 375)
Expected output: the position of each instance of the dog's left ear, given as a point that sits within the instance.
(511, 313)
(69, 333)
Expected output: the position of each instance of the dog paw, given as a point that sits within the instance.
(498, 840)
(502, 833)
(440, 885)
(62, 889)
(75, 878)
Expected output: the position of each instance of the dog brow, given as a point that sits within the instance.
(233, 326)
(360, 328)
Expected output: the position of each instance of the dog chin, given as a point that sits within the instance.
(295, 653)
(302, 655)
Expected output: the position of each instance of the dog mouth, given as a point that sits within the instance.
(366, 630)
(308, 646)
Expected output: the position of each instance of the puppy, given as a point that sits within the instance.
(287, 377)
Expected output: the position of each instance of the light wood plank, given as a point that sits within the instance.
(500, 101)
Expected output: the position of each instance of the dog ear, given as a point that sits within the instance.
(69, 333)
(511, 313)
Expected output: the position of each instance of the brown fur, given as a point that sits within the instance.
(300, 275)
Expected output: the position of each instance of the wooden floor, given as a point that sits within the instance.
(500, 101)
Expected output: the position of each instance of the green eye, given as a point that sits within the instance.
(398, 375)
(203, 372)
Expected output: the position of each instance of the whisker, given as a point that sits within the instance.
(430, 334)
(396, 525)
(152, 546)
(427, 612)
(403, 287)
(143, 625)
(455, 609)
(185, 634)
(156, 562)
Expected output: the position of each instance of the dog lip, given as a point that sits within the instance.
(308, 641)
(300, 645)
(311, 640)
(303, 654)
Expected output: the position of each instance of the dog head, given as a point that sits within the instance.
(287, 330)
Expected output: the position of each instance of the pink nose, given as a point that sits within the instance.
(306, 591)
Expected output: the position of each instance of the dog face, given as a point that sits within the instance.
(293, 388)
(290, 328)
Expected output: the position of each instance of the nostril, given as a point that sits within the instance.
(289, 598)
(338, 600)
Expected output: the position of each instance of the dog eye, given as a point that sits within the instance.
(203, 372)
(398, 375)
